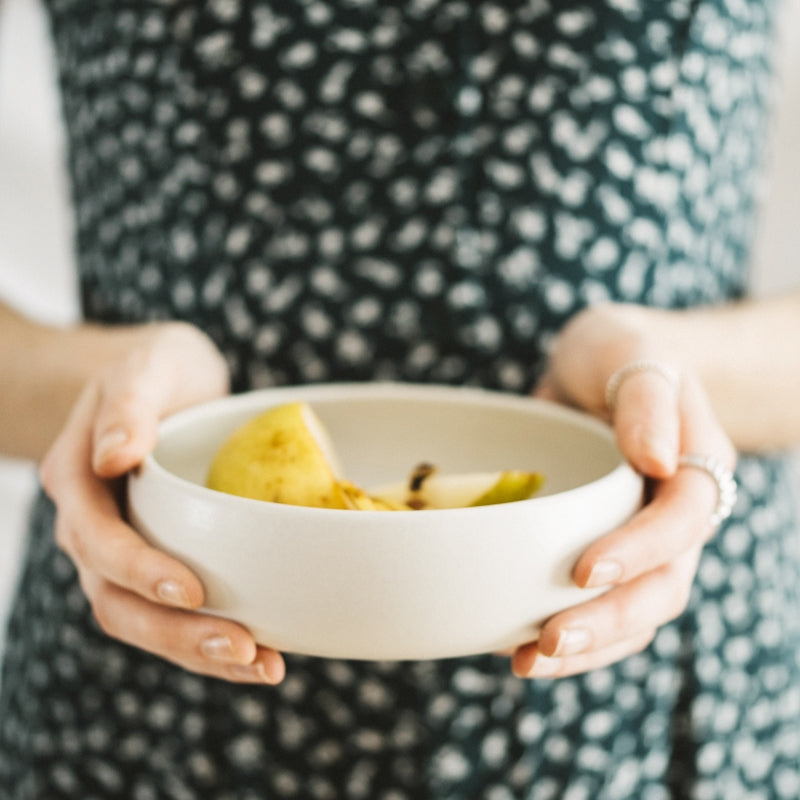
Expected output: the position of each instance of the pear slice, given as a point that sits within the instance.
(284, 456)
(427, 488)
(510, 486)
(359, 500)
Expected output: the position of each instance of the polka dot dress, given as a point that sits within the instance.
(423, 190)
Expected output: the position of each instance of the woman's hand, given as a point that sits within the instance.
(139, 594)
(651, 561)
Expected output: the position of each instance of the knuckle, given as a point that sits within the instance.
(117, 385)
(681, 578)
(63, 535)
(86, 583)
(622, 616)
(75, 544)
(725, 450)
(46, 473)
(681, 600)
(129, 572)
(178, 333)
(675, 605)
(134, 572)
(674, 610)
(132, 560)
(100, 610)
(730, 456)
(122, 402)
(50, 471)
(644, 641)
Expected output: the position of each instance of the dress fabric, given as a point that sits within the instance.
(425, 191)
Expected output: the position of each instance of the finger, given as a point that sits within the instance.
(130, 403)
(199, 642)
(640, 605)
(678, 516)
(701, 432)
(675, 521)
(126, 427)
(60, 460)
(647, 422)
(90, 529)
(177, 368)
(547, 389)
(101, 542)
(529, 662)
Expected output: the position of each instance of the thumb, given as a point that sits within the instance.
(177, 368)
(126, 423)
(647, 422)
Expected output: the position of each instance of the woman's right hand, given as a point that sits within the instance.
(139, 594)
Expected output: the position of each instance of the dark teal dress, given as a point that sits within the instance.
(426, 191)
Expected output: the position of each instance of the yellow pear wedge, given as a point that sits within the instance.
(359, 500)
(428, 488)
(284, 456)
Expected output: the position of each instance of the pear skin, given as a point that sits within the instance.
(359, 500)
(511, 486)
(282, 456)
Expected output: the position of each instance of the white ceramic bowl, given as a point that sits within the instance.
(391, 585)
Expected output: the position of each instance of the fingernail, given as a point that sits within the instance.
(109, 442)
(572, 641)
(665, 453)
(603, 573)
(217, 648)
(544, 667)
(276, 671)
(255, 673)
(173, 593)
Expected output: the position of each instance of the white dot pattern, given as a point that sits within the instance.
(423, 190)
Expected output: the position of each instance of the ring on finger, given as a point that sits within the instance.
(722, 476)
(666, 371)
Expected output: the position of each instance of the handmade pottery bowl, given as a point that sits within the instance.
(391, 584)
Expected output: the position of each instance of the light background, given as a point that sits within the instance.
(36, 269)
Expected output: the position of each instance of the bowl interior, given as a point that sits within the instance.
(380, 432)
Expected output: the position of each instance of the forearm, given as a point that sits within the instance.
(44, 369)
(747, 355)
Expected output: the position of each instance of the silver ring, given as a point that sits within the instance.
(669, 373)
(723, 477)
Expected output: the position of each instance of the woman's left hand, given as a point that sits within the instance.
(650, 562)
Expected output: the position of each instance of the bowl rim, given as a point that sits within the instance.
(467, 395)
